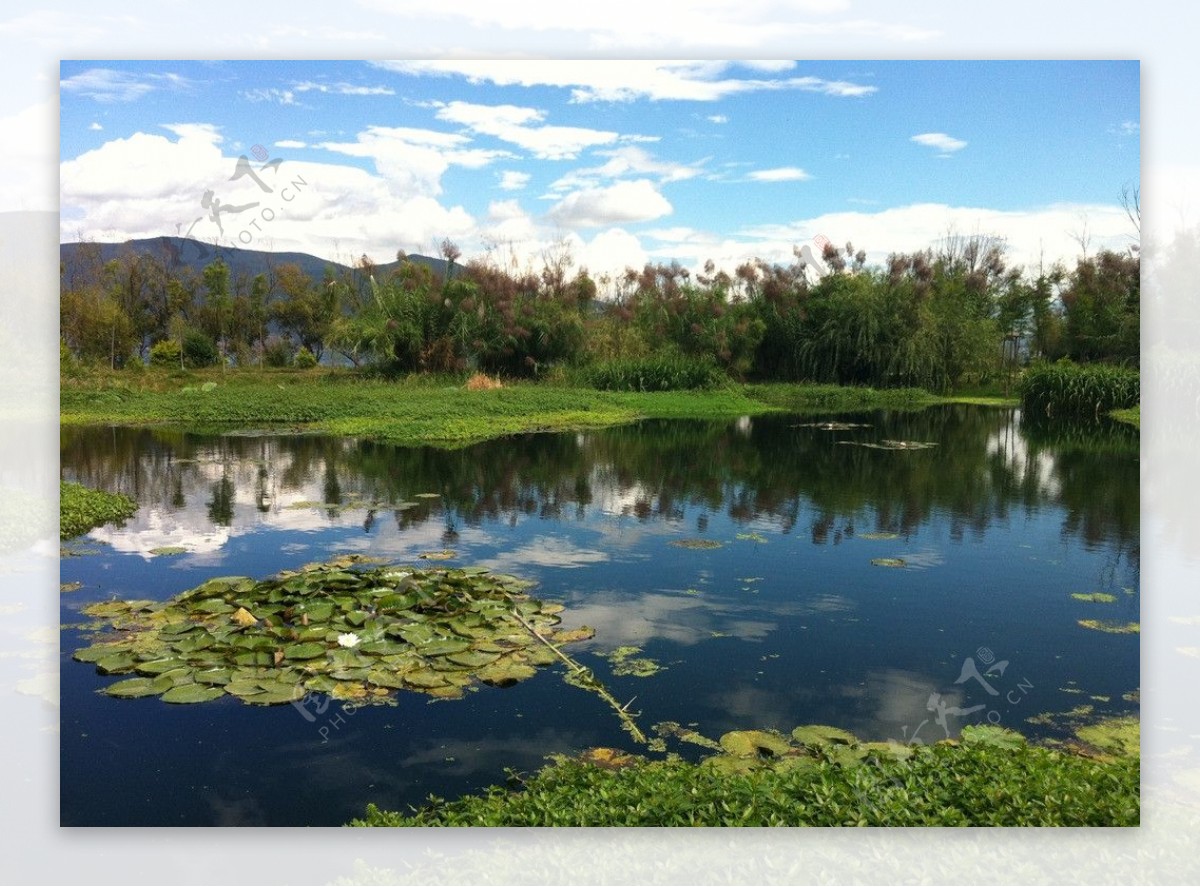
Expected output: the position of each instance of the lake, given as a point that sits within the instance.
(824, 577)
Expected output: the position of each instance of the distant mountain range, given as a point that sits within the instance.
(182, 252)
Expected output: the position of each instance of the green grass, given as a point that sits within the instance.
(415, 410)
(972, 784)
(1063, 390)
(1131, 416)
(81, 509)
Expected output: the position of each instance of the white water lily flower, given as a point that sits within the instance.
(348, 640)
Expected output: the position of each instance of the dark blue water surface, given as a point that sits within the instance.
(788, 622)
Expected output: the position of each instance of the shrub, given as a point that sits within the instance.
(165, 353)
(664, 373)
(304, 359)
(198, 350)
(1065, 389)
(277, 353)
(480, 382)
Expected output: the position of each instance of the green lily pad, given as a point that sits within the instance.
(472, 658)
(755, 744)
(304, 651)
(443, 646)
(1095, 597)
(1112, 627)
(820, 735)
(191, 693)
(133, 688)
(168, 550)
(696, 544)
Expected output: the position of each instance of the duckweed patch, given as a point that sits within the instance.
(626, 663)
(1111, 627)
(168, 551)
(879, 537)
(888, 561)
(335, 628)
(81, 509)
(1095, 597)
(696, 544)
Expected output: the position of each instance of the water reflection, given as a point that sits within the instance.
(201, 492)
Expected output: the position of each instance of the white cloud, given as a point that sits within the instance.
(1127, 128)
(107, 85)
(717, 118)
(623, 161)
(271, 94)
(290, 143)
(95, 127)
(612, 251)
(516, 125)
(943, 143)
(779, 174)
(149, 185)
(342, 88)
(510, 180)
(414, 160)
(636, 201)
(599, 80)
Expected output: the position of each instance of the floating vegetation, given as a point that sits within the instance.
(168, 550)
(1133, 696)
(625, 664)
(1095, 597)
(879, 537)
(1112, 627)
(444, 555)
(696, 544)
(1116, 736)
(892, 444)
(832, 426)
(888, 561)
(751, 537)
(686, 734)
(81, 509)
(428, 496)
(328, 628)
(1076, 715)
(69, 586)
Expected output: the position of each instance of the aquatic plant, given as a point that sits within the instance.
(80, 509)
(334, 628)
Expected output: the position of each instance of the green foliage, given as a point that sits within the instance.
(198, 350)
(661, 373)
(81, 509)
(1066, 390)
(1102, 308)
(979, 783)
(165, 354)
(304, 359)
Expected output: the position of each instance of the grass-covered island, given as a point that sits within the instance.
(821, 777)
(81, 509)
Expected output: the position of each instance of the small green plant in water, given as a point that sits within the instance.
(81, 509)
(1095, 597)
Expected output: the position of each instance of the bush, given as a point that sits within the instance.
(80, 509)
(304, 359)
(165, 353)
(653, 374)
(277, 353)
(198, 350)
(1065, 389)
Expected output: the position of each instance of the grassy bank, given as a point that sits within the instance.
(81, 509)
(1131, 416)
(990, 778)
(427, 409)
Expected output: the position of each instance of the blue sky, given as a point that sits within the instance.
(620, 162)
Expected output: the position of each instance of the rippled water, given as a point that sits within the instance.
(787, 622)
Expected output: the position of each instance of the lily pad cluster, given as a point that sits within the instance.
(696, 544)
(352, 633)
(747, 750)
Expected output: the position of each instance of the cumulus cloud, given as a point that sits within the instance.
(290, 143)
(269, 94)
(148, 185)
(522, 127)
(414, 160)
(779, 174)
(95, 126)
(634, 201)
(944, 144)
(510, 180)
